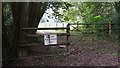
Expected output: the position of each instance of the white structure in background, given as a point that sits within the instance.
(48, 20)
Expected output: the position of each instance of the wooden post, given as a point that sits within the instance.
(62, 24)
(94, 27)
(1, 22)
(49, 25)
(110, 28)
(68, 31)
(56, 24)
(77, 26)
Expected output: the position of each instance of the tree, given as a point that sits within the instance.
(24, 14)
(7, 30)
(117, 6)
(89, 11)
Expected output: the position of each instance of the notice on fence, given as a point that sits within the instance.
(50, 39)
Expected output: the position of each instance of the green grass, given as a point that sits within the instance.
(115, 54)
(102, 50)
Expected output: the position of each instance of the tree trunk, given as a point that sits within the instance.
(117, 6)
(36, 12)
(25, 14)
(16, 13)
(5, 43)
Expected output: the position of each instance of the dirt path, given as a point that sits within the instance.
(83, 53)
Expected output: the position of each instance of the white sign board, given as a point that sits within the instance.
(50, 39)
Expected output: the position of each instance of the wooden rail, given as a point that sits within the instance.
(37, 35)
(27, 45)
(109, 27)
(92, 24)
(37, 44)
(53, 28)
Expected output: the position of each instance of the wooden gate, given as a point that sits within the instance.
(67, 34)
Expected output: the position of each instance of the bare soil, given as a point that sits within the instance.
(82, 52)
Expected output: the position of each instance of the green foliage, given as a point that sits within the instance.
(87, 11)
(7, 21)
(95, 12)
(90, 12)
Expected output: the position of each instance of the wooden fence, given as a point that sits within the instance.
(109, 27)
(53, 28)
(67, 34)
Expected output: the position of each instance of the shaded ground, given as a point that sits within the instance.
(83, 52)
